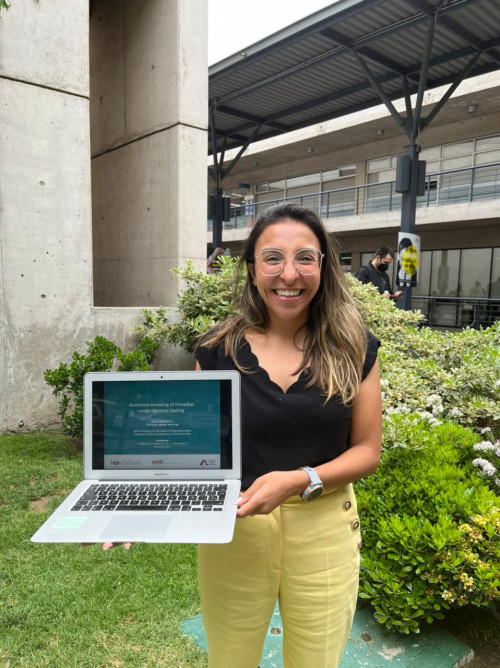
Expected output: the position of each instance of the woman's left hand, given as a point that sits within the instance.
(269, 491)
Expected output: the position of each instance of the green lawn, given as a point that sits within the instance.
(65, 606)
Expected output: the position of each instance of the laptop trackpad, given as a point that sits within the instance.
(124, 528)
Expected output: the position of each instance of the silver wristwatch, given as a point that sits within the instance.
(315, 489)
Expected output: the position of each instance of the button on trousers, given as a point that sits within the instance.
(304, 555)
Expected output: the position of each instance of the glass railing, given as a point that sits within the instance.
(457, 186)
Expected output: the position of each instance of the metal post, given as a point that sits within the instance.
(408, 210)
(218, 217)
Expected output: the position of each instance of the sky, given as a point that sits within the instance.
(232, 26)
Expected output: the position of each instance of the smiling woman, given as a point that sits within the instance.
(311, 425)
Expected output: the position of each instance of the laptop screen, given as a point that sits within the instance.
(161, 424)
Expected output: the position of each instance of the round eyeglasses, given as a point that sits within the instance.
(307, 261)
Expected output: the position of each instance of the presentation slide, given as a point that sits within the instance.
(162, 425)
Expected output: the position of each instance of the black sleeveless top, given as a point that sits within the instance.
(282, 431)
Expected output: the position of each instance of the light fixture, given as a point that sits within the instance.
(380, 132)
(309, 149)
(472, 108)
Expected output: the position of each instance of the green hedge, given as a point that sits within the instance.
(430, 526)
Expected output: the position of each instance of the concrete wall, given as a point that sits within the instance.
(46, 271)
(148, 132)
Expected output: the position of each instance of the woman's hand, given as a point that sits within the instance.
(269, 491)
(110, 546)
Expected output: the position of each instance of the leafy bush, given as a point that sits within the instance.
(207, 300)
(102, 355)
(437, 375)
(430, 526)
(487, 458)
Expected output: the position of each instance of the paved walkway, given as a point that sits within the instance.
(368, 646)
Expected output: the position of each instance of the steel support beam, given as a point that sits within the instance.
(439, 105)
(411, 125)
(218, 173)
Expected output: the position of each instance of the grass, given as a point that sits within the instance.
(65, 606)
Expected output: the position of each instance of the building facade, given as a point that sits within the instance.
(346, 169)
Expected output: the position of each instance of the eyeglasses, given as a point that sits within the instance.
(307, 261)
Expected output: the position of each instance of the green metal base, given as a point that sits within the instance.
(368, 645)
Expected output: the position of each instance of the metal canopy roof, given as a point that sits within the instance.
(316, 69)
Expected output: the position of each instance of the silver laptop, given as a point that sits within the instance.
(162, 461)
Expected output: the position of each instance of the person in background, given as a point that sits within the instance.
(375, 272)
(213, 258)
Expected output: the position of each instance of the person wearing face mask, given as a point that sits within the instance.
(375, 272)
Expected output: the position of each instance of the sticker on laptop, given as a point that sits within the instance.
(69, 523)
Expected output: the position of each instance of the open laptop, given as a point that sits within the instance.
(162, 461)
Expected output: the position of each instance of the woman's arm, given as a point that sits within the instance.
(361, 459)
(365, 439)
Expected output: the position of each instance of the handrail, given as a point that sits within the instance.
(459, 312)
(354, 200)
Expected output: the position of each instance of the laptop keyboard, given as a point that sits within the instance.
(175, 497)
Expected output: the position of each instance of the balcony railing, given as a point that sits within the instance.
(452, 312)
(470, 184)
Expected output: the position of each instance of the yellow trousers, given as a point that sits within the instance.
(304, 555)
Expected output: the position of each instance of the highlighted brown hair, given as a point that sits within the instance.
(335, 340)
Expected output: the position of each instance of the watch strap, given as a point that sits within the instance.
(314, 478)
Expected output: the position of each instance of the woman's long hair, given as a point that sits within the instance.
(335, 341)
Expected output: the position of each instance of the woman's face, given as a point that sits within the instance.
(288, 294)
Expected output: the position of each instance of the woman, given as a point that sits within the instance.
(311, 425)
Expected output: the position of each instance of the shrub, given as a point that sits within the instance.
(437, 375)
(102, 355)
(486, 457)
(207, 300)
(430, 526)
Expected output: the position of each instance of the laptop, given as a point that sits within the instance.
(162, 460)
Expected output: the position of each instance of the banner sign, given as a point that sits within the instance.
(408, 259)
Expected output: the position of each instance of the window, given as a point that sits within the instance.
(495, 274)
(423, 274)
(300, 181)
(444, 275)
(475, 266)
(307, 184)
(457, 149)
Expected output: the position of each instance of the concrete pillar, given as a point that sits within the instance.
(45, 225)
(148, 112)
(149, 139)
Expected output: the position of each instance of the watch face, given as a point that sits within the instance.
(315, 494)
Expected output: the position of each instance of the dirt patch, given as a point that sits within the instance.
(53, 478)
(485, 656)
(40, 505)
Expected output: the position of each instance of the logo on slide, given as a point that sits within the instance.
(203, 462)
